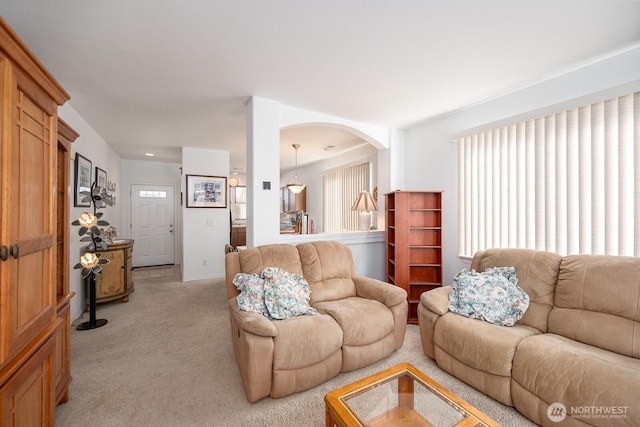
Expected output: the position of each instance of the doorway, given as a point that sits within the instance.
(152, 224)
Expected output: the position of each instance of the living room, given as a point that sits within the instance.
(427, 159)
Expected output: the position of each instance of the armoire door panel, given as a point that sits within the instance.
(26, 399)
(31, 305)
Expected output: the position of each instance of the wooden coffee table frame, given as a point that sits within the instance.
(338, 412)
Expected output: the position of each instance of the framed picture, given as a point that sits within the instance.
(206, 191)
(82, 181)
(101, 177)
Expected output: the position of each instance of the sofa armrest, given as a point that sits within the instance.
(250, 322)
(436, 300)
(378, 290)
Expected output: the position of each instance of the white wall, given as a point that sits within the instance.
(205, 230)
(431, 156)
(150, 173)
(93, 147)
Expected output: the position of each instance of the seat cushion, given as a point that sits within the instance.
(363, 321)
(478, 344)
(307, 352)
(368, 328)
(305, 340)
(580, 376)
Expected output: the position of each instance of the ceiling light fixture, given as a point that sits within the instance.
(295, 185)
(149, 154)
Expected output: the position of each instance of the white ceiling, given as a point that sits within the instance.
(153, 76)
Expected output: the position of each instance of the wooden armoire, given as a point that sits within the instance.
(30, 209)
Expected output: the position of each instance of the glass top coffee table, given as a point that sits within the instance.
(401, 395)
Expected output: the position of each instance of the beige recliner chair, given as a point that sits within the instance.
(360, 320)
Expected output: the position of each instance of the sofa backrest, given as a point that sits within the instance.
(254, 260)
(328, 267)
(537, 273)
(597, 302)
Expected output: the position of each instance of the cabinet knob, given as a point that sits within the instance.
(15, 251)
(4, 253)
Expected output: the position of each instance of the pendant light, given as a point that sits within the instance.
(295, 186)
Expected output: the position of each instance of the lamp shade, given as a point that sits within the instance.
(295, 186)
(364, 202)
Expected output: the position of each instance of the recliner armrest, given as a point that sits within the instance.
(436, 300)
(250, 322)
(378, 290)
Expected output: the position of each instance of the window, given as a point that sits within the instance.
(153, 194)
(340, 188)
(566, 183)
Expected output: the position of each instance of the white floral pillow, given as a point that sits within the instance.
(493, 295)
(251, 297)
(286, 294)
(275, 293)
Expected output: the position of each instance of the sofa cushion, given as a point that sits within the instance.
(305, 340)
(558, 369)
(480, 345)
(537, 274)
(254, 260)
(329, 268)
(597, 302)
(356, 316)
(306, 352)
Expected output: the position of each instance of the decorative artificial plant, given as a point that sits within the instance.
(91, 261)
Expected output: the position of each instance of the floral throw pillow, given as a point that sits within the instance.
(275, 293)
(251, 297)
(493, 295)
(286, 294)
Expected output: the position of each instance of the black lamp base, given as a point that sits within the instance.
(91, 325)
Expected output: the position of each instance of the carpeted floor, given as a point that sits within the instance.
(165, 359)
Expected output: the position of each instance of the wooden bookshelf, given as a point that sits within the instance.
(414, 243)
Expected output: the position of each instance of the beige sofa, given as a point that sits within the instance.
(577, 345)
(360, 320)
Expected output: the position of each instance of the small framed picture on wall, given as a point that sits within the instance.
(82, 181)
(206, 191)
(101, 178)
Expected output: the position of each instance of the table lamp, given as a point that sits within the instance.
(364, 204)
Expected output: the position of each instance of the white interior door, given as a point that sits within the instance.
(152, 224)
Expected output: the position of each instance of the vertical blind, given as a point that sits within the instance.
(341, 187)
(566, 183)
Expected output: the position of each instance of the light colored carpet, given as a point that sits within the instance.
(165, 359)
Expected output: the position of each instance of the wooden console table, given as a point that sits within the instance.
(116, 280)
